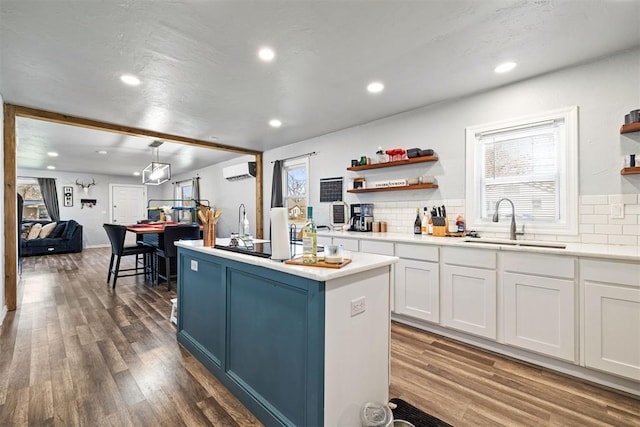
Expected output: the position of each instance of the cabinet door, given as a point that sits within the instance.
(417, 289)
(469, 300)
(612, 329)
(539, 314)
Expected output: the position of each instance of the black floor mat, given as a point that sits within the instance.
(407, 412)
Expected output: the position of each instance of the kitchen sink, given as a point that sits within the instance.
(522, 243)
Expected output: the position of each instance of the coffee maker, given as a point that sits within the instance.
(361, 217)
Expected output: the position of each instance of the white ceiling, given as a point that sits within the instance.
(201, 77)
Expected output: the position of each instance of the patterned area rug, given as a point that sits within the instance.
(407, 412)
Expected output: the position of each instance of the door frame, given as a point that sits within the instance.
(12, 111)
(111, 186)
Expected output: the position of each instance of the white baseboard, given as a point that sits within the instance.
(97, 246)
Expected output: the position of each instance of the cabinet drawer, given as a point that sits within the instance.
(480, 258)
(620, 273)
(374, 247)
(541, 265)
(419, 252)
(347, 244)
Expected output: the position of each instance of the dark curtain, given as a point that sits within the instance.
(277, 199)
(195, 188)
(50, 197)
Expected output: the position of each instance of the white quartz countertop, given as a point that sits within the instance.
(618, 252)
(360, 262)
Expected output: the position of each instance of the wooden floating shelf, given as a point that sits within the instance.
(630, 171)
(401, 187)
(394, 163)
(630, 127)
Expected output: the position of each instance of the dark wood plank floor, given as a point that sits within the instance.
(77, 352)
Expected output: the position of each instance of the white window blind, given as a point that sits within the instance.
(523, 165)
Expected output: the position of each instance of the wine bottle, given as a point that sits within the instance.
(424, 226)
(309, 239)
(417, 225)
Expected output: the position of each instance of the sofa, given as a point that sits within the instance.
(63, 237)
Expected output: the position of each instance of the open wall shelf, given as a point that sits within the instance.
(630, 171)
(394, 163)
(400, 187)
(630, 127)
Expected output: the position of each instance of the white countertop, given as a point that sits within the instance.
(617, 252)
(360, 262)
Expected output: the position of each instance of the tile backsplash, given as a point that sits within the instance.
(596, 222)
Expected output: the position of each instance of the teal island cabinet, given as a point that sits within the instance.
(299, 346)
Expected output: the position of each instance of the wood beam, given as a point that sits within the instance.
(259, 195)
(10, 209)
(34, 113)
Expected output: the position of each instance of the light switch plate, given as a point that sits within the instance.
(194, 265)
(617, 211)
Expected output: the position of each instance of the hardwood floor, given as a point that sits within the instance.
(77, 352)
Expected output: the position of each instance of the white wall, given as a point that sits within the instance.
(90, 218)
(224, 195)
(604, 91)
(3, 305)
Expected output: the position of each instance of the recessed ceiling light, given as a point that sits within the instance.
(375, 87)
(266, 54)
(101, 152)
(136, 174)
(130, 80)
(275, 123)
(51, 167)
(505, 67)
(52, 154)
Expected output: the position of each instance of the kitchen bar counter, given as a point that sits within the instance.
(297, 345)
(617, 252)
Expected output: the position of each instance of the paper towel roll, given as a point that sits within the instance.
(280, 249)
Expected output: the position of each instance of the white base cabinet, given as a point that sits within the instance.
(612, 317)
(469, 293)
(417, 289)
(538, 304)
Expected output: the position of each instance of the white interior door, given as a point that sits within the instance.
(128, 205)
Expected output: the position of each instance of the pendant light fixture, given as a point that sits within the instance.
(156, 173)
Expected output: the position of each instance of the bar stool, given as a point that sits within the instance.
(170, 252)
(117, 234)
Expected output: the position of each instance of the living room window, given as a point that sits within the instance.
(533, 162)
(33, 203)
(295, 175)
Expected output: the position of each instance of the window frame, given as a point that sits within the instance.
(23, 180)
(286, 166)
(567, 191)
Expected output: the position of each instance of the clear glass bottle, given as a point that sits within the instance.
(309, 239)
(417, 224)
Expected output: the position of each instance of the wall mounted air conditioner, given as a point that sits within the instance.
(239, 171)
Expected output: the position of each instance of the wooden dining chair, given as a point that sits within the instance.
(117, 234)
(169, 252)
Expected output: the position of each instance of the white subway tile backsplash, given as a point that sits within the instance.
(594, 200)
(593, 219)
(607, 229)
(595, 238)
(596, 224)
(586, 210)
(623, 240)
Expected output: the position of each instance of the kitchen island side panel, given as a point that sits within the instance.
(272, 354)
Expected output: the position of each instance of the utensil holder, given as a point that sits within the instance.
(209, 235)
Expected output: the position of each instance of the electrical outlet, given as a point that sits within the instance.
(358, 306)
(194, 265)
(617, 211)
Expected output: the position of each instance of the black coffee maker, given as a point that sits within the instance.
(361, 217)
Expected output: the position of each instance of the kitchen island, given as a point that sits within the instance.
(297, 345)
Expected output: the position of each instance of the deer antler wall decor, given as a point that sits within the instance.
(84, 186)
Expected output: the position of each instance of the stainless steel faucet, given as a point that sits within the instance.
(512, 231)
